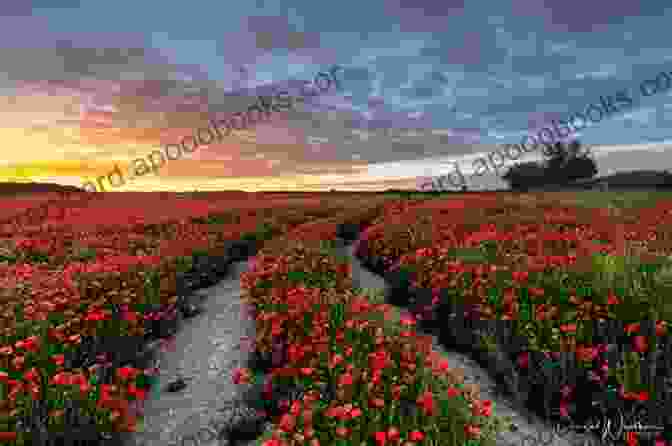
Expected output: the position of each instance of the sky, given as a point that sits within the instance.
(85, 86)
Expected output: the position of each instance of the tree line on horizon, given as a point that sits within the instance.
(564, 163)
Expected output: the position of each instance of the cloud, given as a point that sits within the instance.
(275, 32)
(28, 7)
(579, 16)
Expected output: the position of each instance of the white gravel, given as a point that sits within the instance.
(207, 348)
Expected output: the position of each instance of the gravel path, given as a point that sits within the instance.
(532, 431)
(207, 349)
(209, 346)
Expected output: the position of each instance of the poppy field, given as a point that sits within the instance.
(90, 281)
(574, 299)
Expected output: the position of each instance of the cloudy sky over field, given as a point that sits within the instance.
(90, 84)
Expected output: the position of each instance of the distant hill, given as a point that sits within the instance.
(639, 178)
(28, 188)
(631, 179)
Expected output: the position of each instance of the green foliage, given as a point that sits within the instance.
(9, 257)
(84, 254)
(37, 257)
(152, 285)
(184, 263)
(264, 231)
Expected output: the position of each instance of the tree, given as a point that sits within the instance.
(564, 163)
(522, 176)
(579, 168)
(568, 162)
(557, 155)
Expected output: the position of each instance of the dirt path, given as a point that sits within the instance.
(532, 431)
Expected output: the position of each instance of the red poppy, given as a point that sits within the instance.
(568, 328)
(452, 392)
(272, 442)
(416, 436)
(483, 408)
(126, 373)
(8, 436)
(631, 438)
(381, 438)
(378, 403)
(613, 299)
(426, 401)
(18, 362)
(287, 422)
(524, 360)
(640, 344)
(342, 431)
(242, 376)
(345, 380)
(393, 434)
(472, 431)
(661, 328)
(31, 375)
(632, 328)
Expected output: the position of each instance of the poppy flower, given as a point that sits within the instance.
(126, 373)
(342, 431)
(640, 344)
(377, 403)
(59, 360)
(242, 376)
(613, 299)
(345, 380)
(416, 436)
(568, 328)
(393, 434)
(661, 328)
(484, 409)
(632, 328)
(31, 375)
(381, 438)
(443, 365)
(287, 422)
(472, 431)
(631, 438)
(426, 401)
(524, 360)
(18, 362)
(453, 392)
